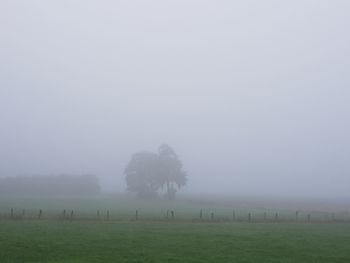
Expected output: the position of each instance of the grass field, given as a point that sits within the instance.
(53, 241)
(153, 238)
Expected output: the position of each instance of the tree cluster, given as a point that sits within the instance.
(55, 185)
(148, 173)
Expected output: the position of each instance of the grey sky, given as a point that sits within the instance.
(253, 95)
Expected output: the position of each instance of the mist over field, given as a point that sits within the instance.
(174, 131)
(252, 95)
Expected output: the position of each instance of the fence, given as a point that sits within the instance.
(171, 215)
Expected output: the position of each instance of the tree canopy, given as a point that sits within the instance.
(149, 173)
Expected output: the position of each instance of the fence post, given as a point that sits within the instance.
(71, 215)
(136, 215)
(200, 214)
(296, 215)
(11, 213)
(40, 213)
(172, 214)
(212, 216)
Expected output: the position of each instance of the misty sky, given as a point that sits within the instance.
(254, 96)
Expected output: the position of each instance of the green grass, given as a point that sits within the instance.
(56, 241)
(153, 238)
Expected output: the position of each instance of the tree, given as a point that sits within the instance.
(141, 174)
(149, 172)
(172, 174)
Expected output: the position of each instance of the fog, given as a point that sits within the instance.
(252, 95)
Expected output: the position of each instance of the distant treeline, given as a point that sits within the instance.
(55, 185)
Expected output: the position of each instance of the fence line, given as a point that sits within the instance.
(199, 216)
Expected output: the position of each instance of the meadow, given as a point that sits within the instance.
(154, 236)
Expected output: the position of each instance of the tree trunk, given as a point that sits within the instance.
(168, 188)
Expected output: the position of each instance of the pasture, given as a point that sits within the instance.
(155, 236)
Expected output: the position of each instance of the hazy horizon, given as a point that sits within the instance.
(252, 95)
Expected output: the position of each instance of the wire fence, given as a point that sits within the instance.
(171, 215)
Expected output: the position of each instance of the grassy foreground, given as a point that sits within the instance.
(62, 241)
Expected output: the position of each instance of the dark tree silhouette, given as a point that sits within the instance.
(148, 172)
(142, 174)
(172, 174)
